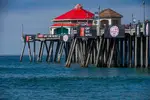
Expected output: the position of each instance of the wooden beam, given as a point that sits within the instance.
(22, 53)
(29, 50)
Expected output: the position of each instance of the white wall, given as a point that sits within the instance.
(109, 20)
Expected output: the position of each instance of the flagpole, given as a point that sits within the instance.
(144, 10)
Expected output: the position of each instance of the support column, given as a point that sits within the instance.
(21, 57)
(135, 52)
(98, 54)
(57, 48)
(50, 51)
(130, 51)
(111, 54)
(34, 51)
(89, 53)
(141, 51)
(60, 51)
(40, 52)
(29, 50)
(68, 62)
(146, 53)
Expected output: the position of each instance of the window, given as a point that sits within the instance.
(115, 22)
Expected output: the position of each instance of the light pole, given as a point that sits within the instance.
(133, 21)
(144, 10)
(97, 17)
(143, 16)
(99, 21)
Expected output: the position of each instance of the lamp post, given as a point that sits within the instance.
(97, 18)
(143, 16)
(143, 34)
(144, 10)
(133, 21)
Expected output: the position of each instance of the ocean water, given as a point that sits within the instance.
(42, 81)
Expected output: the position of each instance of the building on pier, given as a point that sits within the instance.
(63, 24)
(109, 17)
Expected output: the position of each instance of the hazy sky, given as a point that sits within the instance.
(36, 16)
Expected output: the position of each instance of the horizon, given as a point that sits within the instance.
(36, 16)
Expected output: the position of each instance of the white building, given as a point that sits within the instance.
(109, 17)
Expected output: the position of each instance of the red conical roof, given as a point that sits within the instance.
(78, 13)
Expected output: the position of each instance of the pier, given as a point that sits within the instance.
(127, 50)
(112, 45)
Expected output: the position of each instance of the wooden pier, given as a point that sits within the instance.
(115, 46)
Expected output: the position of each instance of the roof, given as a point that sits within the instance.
(67, 24)
(109, 13)
(77, 13)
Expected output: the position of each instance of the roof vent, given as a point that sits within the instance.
(78, 6)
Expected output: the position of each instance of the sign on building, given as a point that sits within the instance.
(65, 38)
(82, 33)
(114, 32)
(87, 31)
(29, 38)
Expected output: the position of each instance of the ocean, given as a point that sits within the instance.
(43, 81)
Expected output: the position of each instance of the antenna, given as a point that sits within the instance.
(22, 32)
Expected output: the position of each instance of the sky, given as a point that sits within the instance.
(36, 16)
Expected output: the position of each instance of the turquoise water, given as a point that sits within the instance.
(42, 81)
